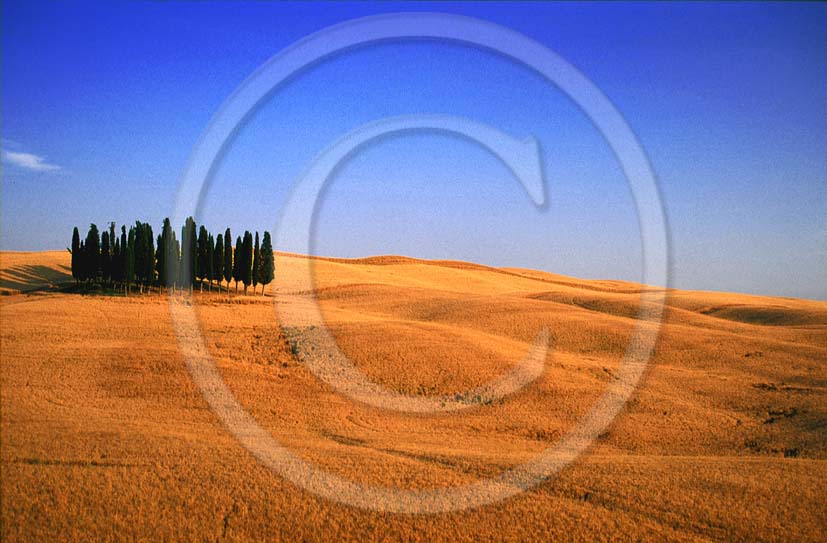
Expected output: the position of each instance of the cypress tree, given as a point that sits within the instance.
(267, 268)
(210, 260)
(129, 259)
(76, 257)
(112, 258)
(139, 256)
(247, 260)
(203, 258)
(192, 259)
(178, 267)
(160, 261)
(149, 255)
(117, 266)
(92, 253)
(256, 264)
(228, 258)
(106, 258)
(239, 249)
(189, 260)
(144, 254)
(171, 255)
(183, 267)
(124, 259)
(165, 260)
(82, 266)
(218, 261)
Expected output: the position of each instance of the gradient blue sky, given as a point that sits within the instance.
(103, 102)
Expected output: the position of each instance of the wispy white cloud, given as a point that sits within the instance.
(28, 161)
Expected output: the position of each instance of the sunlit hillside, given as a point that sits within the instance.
(104, 431)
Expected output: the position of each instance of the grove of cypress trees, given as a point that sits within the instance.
(256, 263)
(267, 268)
(218, 261)
(76, 257)
(228, 258)
(136, 256)
(239, 250)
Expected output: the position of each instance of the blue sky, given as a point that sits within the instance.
(102, 104)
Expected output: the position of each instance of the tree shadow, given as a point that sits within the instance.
(34, 277)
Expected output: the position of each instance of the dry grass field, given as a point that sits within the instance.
(105, 436)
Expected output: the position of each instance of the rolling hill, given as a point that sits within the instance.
(106, 437)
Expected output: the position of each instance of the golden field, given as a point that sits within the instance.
(105, 436)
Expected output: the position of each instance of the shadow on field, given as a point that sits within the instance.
(34, 277)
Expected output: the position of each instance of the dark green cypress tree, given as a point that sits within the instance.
(228, 258)
(210, 260)
(164, 259)
(183, 266)
(149, 255)
(76, 256)
(203, 258)
(112, 263)
(192, 260)
(92, 253)
(139, 256)
(256, 264)
(124, 259)
(117, 266)
(178, 266)
(144, 268)
(171, 255)
(218, 261)
(189, 260)
(106, 258)
(247, 261)
(267, 269)
(239, 250)
(160, 261)
(129, 259)
(82, 265)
